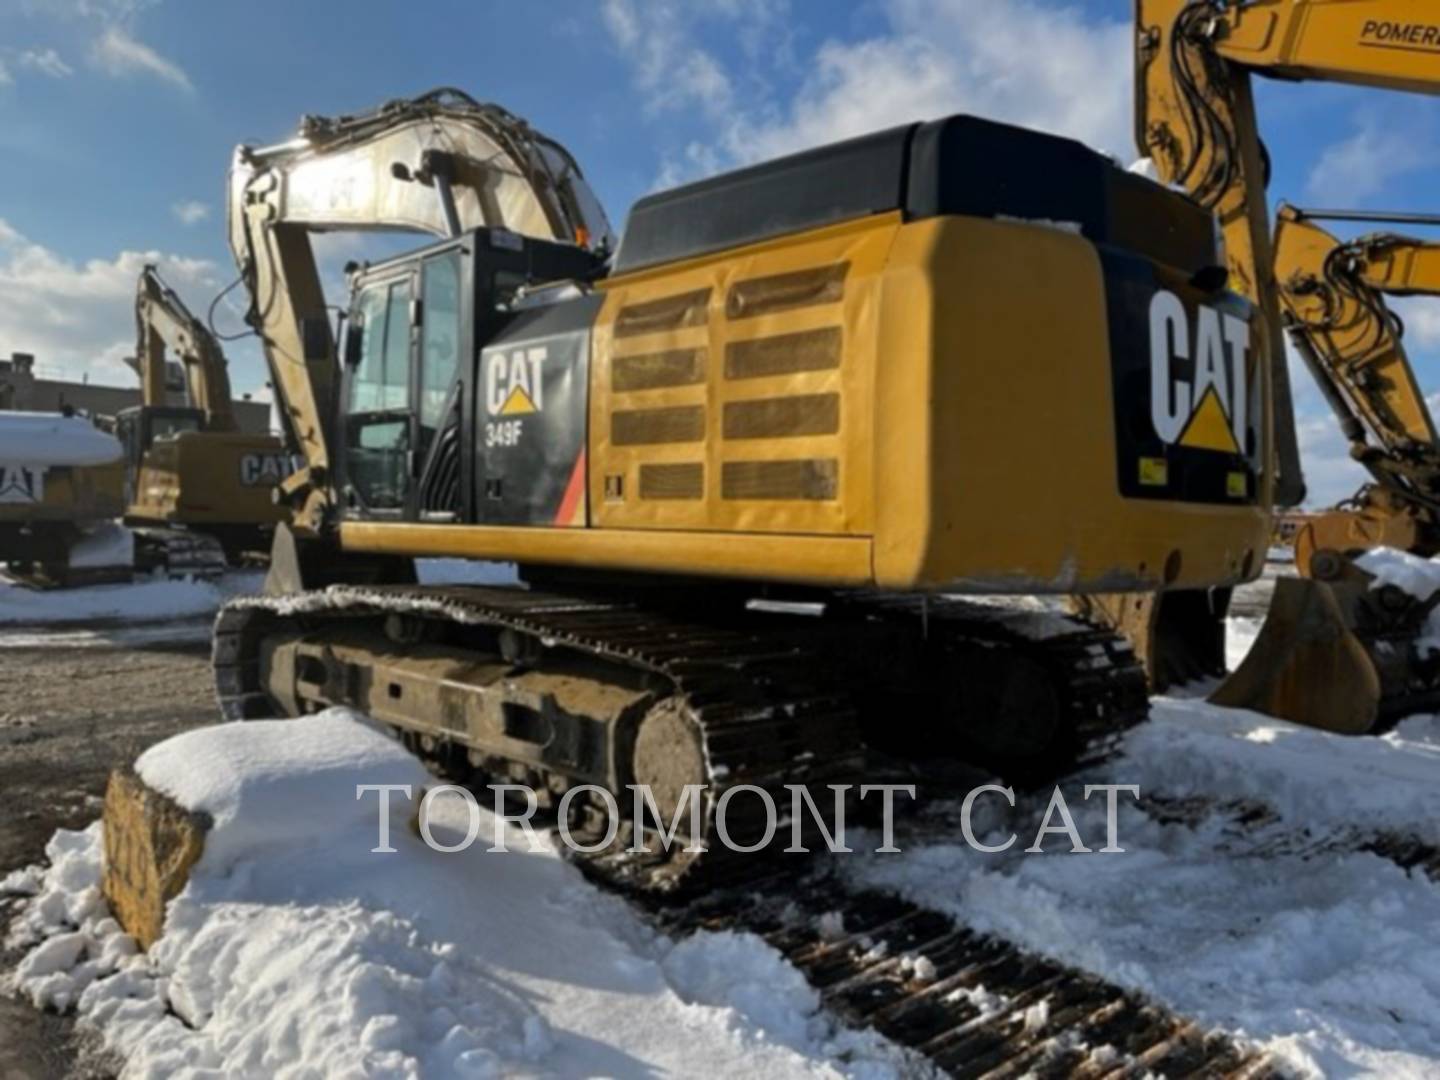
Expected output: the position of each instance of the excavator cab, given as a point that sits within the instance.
(410, 401)
(138, 427)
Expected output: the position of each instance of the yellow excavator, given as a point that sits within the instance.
(1337, 653)
(750, 460)
(199, 490)
(1334, 294)
(766, 462)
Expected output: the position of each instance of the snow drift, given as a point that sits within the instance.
(1285, 932)
(297, 951)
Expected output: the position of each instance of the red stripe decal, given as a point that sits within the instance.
(574, 493)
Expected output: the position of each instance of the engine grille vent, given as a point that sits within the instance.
(806, 479)
(669, 313)
(785, 292)
(683, 481)
(653, 371)
(783, 417)
(784, 354)
(648, 427)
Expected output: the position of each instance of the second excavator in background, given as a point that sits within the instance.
(199, 490)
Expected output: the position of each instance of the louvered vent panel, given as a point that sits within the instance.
(649, 427)
(784, 354)
(669, 313)
(683, 481)
(783, 417)
(654, 371)
(785, 292)
(809, 479)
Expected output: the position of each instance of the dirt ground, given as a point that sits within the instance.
(70, 708)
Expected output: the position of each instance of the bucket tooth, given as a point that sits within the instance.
(1307, 666)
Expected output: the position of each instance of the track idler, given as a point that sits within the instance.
(1338, 652)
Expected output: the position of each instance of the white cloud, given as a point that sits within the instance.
(1421, 316)
(934, 58)
(5, 77)
(1331, 474)
(655, 36)
(117, 53)
(190, 211)
(47, 62)
(79, 317)
(1356, 168)
(972, 56)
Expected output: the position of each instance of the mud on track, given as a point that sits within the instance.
(74, 701)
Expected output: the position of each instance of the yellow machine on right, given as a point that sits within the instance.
(1196, 121)
(1334, 295)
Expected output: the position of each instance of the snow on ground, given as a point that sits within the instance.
(1328, 958)
(1312, 778)
(145, 600)
(297, 951)
(157, 599)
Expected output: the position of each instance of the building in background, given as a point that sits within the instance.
(22, 390)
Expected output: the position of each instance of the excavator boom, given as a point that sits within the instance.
(165, 325)
(1334, 293)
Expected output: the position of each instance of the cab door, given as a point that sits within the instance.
(378, 420)
(402, 392)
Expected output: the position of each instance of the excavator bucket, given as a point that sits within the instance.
(1307, 665)
(1178, 636)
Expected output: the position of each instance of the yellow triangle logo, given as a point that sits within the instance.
(1209, 429)
(518, 403)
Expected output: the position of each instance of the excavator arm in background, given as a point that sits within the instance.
(1333, 293)
(1195, 118)
(440, 163)
(164, 324)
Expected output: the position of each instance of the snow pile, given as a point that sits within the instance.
(51, 439)
(1414, 575)
(278, 781)
(1409, 573)
(1312, 778)
(297, 950)
(140, 601)
(1324, 955)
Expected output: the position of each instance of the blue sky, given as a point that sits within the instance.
(117, 119)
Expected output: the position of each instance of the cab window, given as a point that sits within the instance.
(439, 340)
(377, 424)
